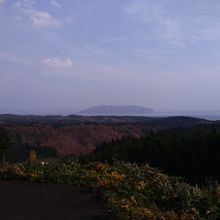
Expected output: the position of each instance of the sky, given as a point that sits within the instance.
(58, 57)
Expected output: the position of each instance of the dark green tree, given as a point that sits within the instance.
(5, 146)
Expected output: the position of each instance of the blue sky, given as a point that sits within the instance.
(62, 56)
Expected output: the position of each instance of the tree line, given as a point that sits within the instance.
(193, 153)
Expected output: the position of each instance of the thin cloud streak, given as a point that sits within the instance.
(110, 40)
(96, 47)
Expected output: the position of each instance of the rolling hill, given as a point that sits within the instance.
(80, 134)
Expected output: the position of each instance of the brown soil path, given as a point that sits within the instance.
(21, 200)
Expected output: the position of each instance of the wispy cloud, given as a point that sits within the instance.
(151, 52)
(55, 4)
(178, 29)
(42, 19)
(55, 62)
(97, 48)
(149, 12)
(23, 4)
(38, 18)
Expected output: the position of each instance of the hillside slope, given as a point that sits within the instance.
(72, 139)
(83, 137)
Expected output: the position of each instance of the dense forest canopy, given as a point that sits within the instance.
(5, 146)
(189, 152)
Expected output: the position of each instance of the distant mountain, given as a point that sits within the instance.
(116, 110)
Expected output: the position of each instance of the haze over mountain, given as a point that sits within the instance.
(116, 110)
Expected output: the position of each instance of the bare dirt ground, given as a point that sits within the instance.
(21, 200)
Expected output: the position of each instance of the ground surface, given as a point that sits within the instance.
(21, 200)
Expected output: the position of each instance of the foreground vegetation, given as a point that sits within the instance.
(129, 191)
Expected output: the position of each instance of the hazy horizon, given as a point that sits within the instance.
(209, 115)
(59, 57)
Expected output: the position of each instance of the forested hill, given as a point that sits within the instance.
(71, 119)
(78, 134)
(78, 119)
